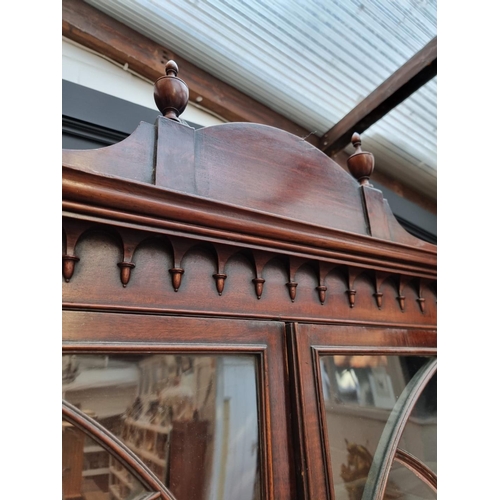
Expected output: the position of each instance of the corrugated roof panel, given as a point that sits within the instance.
(310, 60)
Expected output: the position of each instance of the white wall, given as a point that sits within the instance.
(85, 67)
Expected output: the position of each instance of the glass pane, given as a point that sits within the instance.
(192, 419)
(89, 472)
(405, 485)
(359, 393)
(423, 422)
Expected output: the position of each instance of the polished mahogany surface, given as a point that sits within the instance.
(234, 302)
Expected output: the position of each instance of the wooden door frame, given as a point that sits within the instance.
(106, 333)
(305, 344)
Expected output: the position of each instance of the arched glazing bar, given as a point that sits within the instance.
(418, 468)
(387, 446)
(116, 448)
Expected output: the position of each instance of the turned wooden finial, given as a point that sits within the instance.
(171, 93)
(171, 68)
(360, 163)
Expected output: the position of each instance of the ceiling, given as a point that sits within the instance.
(310, 60)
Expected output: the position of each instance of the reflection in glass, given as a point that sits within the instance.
(423, 420)
(193, 420)
(89, 472)
(359, 393)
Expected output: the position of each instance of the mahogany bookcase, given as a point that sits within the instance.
(277, 295)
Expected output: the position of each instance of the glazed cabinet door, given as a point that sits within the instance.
(174, 408)
(365, 400)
